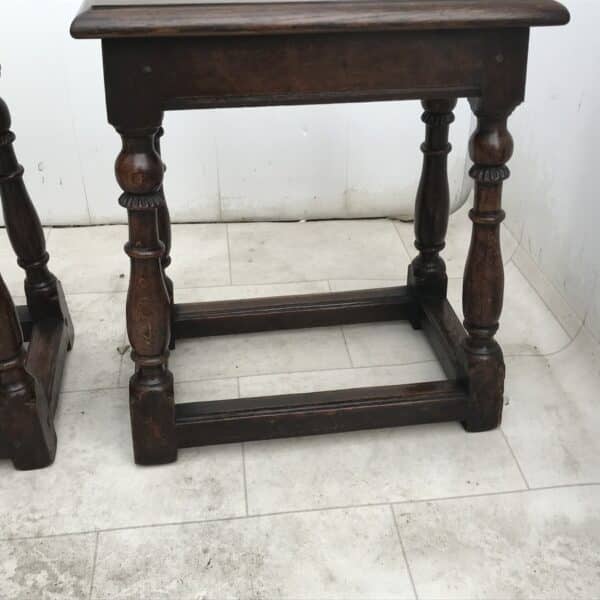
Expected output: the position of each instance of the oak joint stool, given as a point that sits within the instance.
(164, 55)
(30, 377)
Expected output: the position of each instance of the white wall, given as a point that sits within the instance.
(275, 163)
(325, 161)
(552, 200)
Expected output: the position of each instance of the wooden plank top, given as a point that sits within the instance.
(175, 18)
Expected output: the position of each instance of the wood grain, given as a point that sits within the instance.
(99, 20)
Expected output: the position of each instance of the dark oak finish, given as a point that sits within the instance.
(139, 171)
(224, 421)
(29, 379)
(293, 312)
(427, 273)
(160, 18)
(178, 55)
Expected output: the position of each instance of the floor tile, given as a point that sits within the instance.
(199, 255)
(342, 555)
(94, 483)
(256, 353)
(389, 343)
(313, 381)
(90, 259)
(236, 292)
(230, 356)
(526, 326)
(384, 465)
(457, 241)
(99, 322)
(535, 545)
(47, 569)
(279, 252)
(552, 421)
(206, 390)
(343, 285)
(552, 298)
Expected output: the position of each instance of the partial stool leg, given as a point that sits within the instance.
(164, 233)
(139, 171)
(427, 272)
(26, 427)
(490, 148)
(45, 297)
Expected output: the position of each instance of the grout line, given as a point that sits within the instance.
(228, 252)
(269, 374)
(245, 477)
(243, 446)
(343, 331)
(94, 565)
(347, 346)
(408, 254)
(515, 458)
(351, 368)
(89, 390)
(305, 511)
(404, 555)
(123, 292)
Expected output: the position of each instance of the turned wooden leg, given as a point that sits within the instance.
(427, 273)
(139, 171)
(26, 428)
(164, 233)
(43, 291)
(490, 148)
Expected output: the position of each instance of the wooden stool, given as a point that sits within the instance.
(185, 54)
(29, 378)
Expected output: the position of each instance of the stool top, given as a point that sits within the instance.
(172, 18)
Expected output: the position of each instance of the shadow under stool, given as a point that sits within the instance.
(207, 54)
(35, 338)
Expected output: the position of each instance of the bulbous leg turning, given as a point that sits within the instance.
(483, 288)
(139, 171)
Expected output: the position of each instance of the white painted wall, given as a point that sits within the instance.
(552, 200)
(275, 163)
(312, 162)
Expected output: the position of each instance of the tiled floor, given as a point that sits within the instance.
(417, 512)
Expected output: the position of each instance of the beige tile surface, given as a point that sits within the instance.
(553, 421)
(485, 543)
(389, 343)
(313, 381)
(94, 483)
(279, 252)
(238, 292)
(272, 352)
(90, 259)
(551, 296)
(342, 285)
(341, 555)
(199, 255)
(538, 545)
(99, 322)
(47, 569)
